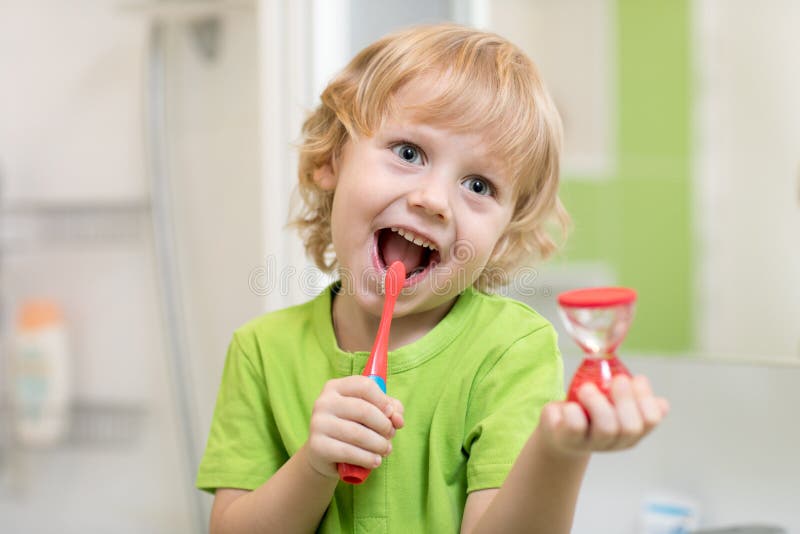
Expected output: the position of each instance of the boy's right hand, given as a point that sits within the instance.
(352, 422)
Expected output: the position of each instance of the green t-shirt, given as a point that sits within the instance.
(472, 388)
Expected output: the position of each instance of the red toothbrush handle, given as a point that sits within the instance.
(353, 474)
(376, 364)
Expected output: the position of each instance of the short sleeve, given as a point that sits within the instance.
(505, 406)
(244, 448)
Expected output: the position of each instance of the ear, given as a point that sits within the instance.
(325, 177)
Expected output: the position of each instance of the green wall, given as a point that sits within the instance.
(639, 219)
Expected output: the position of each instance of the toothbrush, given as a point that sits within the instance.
(375, 368)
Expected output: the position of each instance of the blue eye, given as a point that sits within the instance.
(479, 186)
(408, 153)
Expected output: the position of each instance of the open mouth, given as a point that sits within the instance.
(417, 254)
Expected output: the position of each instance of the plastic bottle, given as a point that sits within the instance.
(42, 388)
(667, 513)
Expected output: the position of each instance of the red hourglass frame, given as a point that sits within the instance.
(598, 320)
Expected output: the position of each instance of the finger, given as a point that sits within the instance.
(566, 422)
(355, 434)
(398, 405)
(551, 421)
(346, 453)
(574, 425)
(649, 405)
(631, 422)
(552, 415)
(664, 405)
(363, 412)
(365, 388)
(604, 425)
(398, 421)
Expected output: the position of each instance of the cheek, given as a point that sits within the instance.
(341, 221)
(363, 193)
(472, 255)
(488, 234)
(489, 243)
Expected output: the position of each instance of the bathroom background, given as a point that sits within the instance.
(146, 160)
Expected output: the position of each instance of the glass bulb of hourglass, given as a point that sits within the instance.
(597, 331)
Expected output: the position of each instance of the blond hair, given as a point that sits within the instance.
(490, 87)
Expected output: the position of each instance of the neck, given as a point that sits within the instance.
(355, 328)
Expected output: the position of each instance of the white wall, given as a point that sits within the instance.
(573, 43)
(214, 167)
(747, 177)
(65, 101)
(730, 443)
(72, 133)
(71, 126)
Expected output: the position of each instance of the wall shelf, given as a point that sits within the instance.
(33, 226)
(27, 225)
(92, 424)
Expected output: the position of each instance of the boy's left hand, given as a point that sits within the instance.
(635, 412)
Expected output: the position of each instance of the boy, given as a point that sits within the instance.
(438, 147)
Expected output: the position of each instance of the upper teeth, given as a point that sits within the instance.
(410, 236)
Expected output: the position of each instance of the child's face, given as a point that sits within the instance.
(442, 186)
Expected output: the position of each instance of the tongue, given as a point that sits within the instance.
(396, 248)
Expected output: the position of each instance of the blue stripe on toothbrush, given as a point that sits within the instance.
(378, 380)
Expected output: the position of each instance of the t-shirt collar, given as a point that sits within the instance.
(402, 359)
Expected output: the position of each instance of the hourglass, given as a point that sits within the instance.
(598, 320)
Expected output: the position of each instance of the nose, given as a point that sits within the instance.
(431, 196)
